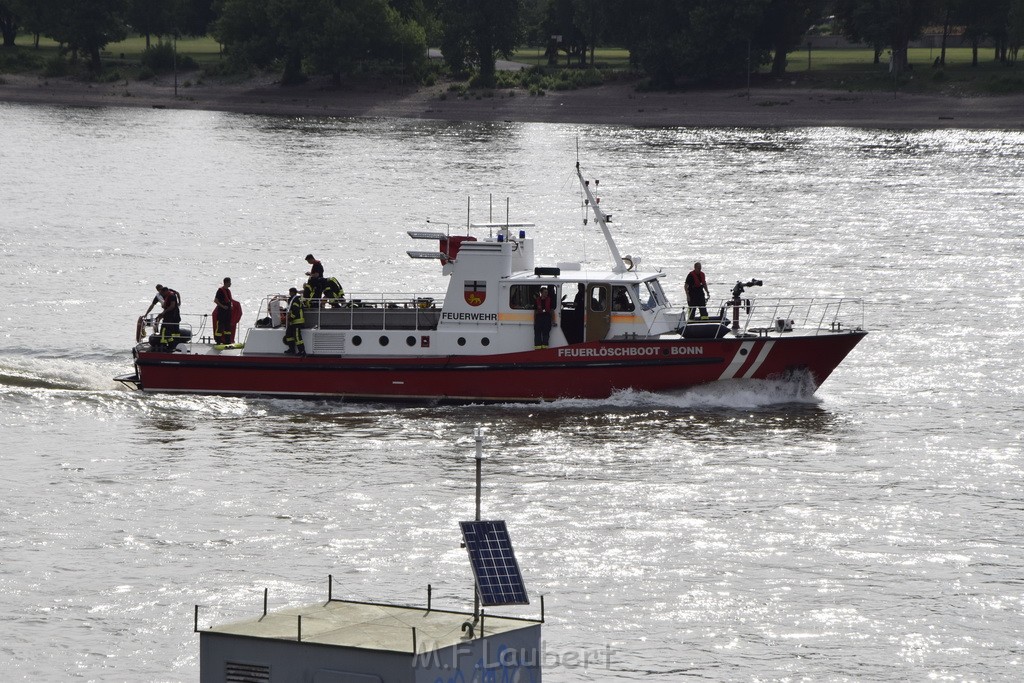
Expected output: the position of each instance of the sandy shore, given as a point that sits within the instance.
(617, 103)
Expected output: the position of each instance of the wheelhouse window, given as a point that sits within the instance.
(521, 297)
(578, 292)
(654, 294)
(621, 299)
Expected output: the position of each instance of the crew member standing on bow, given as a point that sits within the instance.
(316, 280)
(223, 327)
(293, 331)
(697, 293)
(543, 318)
(170, 317)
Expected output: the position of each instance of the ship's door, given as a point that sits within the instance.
(599, 315)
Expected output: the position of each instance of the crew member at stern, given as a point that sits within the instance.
(293, 331)
(223, 326)
(170, 316)
(543, 318)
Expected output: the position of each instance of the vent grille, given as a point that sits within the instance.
(240, 672)
(329, 343)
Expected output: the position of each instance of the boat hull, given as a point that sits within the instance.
(591, 371)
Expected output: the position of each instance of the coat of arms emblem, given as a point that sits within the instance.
(475, 292)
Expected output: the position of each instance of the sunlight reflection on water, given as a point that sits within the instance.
(867, 531)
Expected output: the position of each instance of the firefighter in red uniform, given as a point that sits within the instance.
(223, 325)
(543, 318)
(697, 293)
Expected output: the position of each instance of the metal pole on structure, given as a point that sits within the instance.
(478, 436)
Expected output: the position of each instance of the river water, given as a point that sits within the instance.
(871, 531)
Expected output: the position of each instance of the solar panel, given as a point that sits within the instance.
(498, 580)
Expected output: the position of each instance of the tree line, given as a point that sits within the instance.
(671, 41)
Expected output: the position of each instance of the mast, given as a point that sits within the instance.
(618, 266)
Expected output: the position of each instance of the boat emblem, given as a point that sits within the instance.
(475, 292)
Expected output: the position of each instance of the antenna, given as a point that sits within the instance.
(602, 220)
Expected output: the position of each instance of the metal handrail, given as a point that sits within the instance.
(764, 316)
(384, 303)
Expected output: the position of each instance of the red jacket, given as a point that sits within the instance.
(223, 299)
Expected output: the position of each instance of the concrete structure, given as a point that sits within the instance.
(358, 642)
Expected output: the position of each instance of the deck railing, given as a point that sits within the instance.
(766, 317)
(363, 312)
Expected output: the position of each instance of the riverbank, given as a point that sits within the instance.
(615, 103)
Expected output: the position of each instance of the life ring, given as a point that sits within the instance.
(140, 329)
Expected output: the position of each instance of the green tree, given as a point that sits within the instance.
(151, 17)
(991, 19)
(332, 35)
(359, 30)
(944, 15)
(983, 20)
(580, 23)
(478, 31)
(89, 25)
(1015, 28)
(649, 31)
(424, 13)
(36, 16)
(862, 21)
(533, 20)
(562, 21)
(692, 40)
(785, 24)
(9, 23)
(592, 20)
(886, 23)
(258, 33)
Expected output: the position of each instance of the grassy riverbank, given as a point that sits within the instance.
(837, 88)
(851, 70)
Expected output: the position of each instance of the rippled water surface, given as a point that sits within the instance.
(745, 532)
